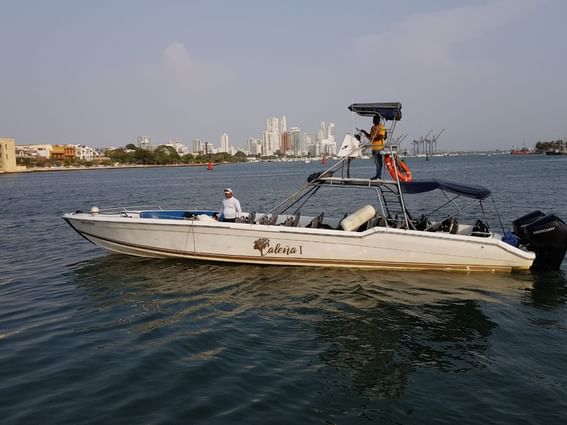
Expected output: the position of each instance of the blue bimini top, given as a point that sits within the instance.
(467, 190)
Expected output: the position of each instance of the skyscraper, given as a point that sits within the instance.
(198, 146)
(295, 136)
(224, 146)
(271, 137)
(285, 143)
(331, 132)
(283, 124)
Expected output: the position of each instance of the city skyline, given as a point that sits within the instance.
(489, 72)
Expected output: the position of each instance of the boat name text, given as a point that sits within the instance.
(263, 245)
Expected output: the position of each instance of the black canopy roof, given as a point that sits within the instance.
(388, 111)
(468, 190)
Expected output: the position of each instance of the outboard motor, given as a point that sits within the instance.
(547, 237)
(521, 223)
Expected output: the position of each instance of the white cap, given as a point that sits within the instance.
(228, 190)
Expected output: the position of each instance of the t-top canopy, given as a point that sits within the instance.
(389, 111)
(468, 190)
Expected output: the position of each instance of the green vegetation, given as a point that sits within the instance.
(67, 162)
(556, 145)
(131, 155)
(164, 155)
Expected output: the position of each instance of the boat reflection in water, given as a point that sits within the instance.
(371, 332)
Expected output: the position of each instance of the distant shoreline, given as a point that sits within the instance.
(107, 167)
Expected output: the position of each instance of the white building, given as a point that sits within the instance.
(269, 142)
(84, 153)
(179, 147)
(295, 136)
(331, 132)
(322, 132)
(314, 149)
(224, 146)
(307, 142)
(328, 148)
(271, 137)
(35, 151)
(198, 146)
(144, 142)
(283, 124)
(253, 146)
(208, 148)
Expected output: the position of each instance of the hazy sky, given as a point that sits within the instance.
(493, 73)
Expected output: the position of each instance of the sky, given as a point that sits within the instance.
(492, 73)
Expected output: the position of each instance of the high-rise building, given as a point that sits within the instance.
(307, 142)
(198, 147)
(272, 125)
(285, 143)
(329, 148)
(322, 133)
(271, 137)
(253, 146)
(295, 136)
(224, 146)
(331, 132)
(283, 124)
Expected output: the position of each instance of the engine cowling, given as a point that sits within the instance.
(546, 235)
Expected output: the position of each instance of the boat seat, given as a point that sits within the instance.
(291, 221)
(316, 222)
(481, 229)
(246, 219)
(251, 217)
(268, 220)
(449, 225)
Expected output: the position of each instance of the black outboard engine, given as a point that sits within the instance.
(546, 235)
(521, 223)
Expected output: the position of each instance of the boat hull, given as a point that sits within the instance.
(377, 248)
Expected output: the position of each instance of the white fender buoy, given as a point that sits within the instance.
(358, 218)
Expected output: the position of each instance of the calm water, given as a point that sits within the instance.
(90, 338)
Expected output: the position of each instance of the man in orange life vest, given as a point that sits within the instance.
(377, 137)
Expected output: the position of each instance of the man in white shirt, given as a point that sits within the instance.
(230, 207)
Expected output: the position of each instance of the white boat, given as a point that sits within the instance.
(375, 235)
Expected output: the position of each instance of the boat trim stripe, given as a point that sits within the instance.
(294, 261)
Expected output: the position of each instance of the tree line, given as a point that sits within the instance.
(132, 155)
(554, 145)
(166, 155)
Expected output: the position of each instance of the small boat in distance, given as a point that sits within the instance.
(379, 232)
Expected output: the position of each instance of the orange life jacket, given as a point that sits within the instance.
(377, 137)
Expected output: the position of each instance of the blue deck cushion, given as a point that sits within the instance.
(174, 214)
